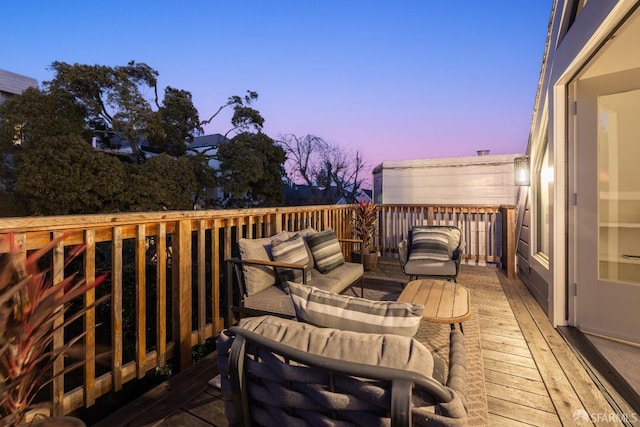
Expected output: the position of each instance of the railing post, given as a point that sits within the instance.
(508, 257)
(181, 294)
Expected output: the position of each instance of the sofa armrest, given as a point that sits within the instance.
(457, 378)
(270, 263)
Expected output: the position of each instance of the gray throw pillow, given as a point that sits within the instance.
(326, 250)
(429, 244)
(291, 251)
(257, 278)
(348, 313)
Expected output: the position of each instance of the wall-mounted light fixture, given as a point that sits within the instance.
(521, 170)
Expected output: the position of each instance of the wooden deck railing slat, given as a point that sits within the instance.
(116, 308)
(90, 320)
(141, 306)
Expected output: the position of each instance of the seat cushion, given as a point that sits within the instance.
(291, 251)
(258, 278)
(349, 313)
(326, 250)
(429, 244)
(273, 300)
(347, 273)
(430, 268)
(393, 351)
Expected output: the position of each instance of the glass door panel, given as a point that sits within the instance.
(618, 133)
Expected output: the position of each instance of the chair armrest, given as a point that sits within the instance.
(457, 253)
(403, 252)
(271, 263)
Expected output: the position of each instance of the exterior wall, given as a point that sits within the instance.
(14, 84)
(479, 180)
(576, 34)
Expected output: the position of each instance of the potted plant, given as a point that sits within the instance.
(364, 222)
(31, 305)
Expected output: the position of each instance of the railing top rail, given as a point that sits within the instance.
(420, 205)
(63, 222)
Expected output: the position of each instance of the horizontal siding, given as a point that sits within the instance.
(15, 83)
(465, 184)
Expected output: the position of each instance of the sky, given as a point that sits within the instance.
(393, 79)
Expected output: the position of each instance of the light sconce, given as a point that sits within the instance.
(521, 171)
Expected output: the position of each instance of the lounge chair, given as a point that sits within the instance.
(279, 372)
(432, 251)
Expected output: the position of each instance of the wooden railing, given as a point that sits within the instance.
(486, 230)
(165, 276)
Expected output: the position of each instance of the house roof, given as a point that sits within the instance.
(208, 141)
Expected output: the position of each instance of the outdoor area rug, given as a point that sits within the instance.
(435, 337)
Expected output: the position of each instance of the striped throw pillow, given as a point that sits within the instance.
(326, 250)
(429, 245)
(291, 251)
(328, 310)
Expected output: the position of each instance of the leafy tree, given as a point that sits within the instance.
(252, 170)
(62, 175)
(245, 118)
(163, 183)
(331, 172)
(86, 101)
(176, 123)
(30, 117)
(116, 106)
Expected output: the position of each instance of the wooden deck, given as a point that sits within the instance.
(532, 375)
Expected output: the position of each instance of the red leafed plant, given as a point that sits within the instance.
(364, 222)
(31, 306)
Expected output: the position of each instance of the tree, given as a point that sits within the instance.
(63, 175)
(116, 106)
(163, 183)
(30, 117)
(82, 102)
(252, 170)
(245, 118)
(330, 172)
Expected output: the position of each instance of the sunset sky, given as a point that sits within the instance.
(397, 80)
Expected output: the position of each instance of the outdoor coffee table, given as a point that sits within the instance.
(444, 302)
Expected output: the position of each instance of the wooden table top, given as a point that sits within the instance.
(444, 301)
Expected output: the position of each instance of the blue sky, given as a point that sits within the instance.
(396, 80)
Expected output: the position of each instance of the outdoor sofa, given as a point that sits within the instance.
(265, 265)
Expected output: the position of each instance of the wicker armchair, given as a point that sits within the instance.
(436, 253)
(268, 382)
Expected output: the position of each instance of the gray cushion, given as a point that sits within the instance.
(272, 300)
(429, 244)
(305, 233)
(454, 234)
(348, 273)
(348, 313)
(393, 351)
(430, 268)
(326, 250)
(258, 278)
(291, 251)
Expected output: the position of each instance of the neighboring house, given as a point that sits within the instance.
(303, 195)
(14, 84)
(579, 222)
(480, 180)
